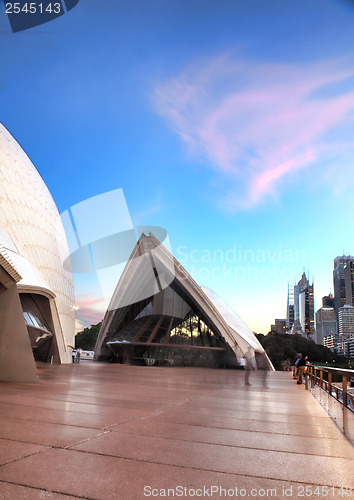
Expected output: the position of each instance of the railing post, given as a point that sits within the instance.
(345, 402)
(329, 383)
(344, 386)
(321, 378)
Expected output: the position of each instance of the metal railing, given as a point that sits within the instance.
(330, 388)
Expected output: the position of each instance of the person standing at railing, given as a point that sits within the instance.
(301, 368)
(350, 379)
(296, 362)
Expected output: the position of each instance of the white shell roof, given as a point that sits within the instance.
(233, 320)
(128, 291)
(28, 272)
(31, 231)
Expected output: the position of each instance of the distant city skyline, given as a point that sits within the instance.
(332, 323)
(228, 124)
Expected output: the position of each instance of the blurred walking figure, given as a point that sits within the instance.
(78, 355)
(263, 369)
(286, 365)
(244, 363)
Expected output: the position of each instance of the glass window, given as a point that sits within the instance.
(28, 319)
(32, 314)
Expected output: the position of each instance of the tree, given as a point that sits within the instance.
(87, 338)
(281, 346)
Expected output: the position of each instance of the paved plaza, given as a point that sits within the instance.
(101, 431)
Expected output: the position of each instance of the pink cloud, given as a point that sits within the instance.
(256, 124)
(90, 311)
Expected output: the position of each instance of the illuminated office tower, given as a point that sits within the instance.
(307, 311)
(290, 308)
(299, 288)
(304, 314)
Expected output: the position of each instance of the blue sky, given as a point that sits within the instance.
(229, 124)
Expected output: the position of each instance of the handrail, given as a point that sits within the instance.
(320, 379)
(335, 370)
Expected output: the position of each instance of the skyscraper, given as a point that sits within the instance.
(348, 274)
(299, 288)
(290, 308)
(303, 308)
(343, 282)
(307, 311)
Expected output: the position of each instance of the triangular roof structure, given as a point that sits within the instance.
(156, 299)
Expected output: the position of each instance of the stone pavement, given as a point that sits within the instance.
(100, 431)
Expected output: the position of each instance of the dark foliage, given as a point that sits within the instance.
(87, 338)
(282, 346)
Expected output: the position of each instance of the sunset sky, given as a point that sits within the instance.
(227, 123)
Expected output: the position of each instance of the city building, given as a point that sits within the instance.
(301, 306)
(345, 323)
(280, 326)
(346, 348)
(343, 281)
(326, 320)
(328, 301)
(348, 275)
(307, 314)
(158, 315)
(350, 348)
(36, 284)
(299, 288)
(331, 341)
(290, 312)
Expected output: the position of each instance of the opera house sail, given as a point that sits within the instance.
(36, 291)
(158, 315)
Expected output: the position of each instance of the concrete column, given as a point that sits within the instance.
(16, 358)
